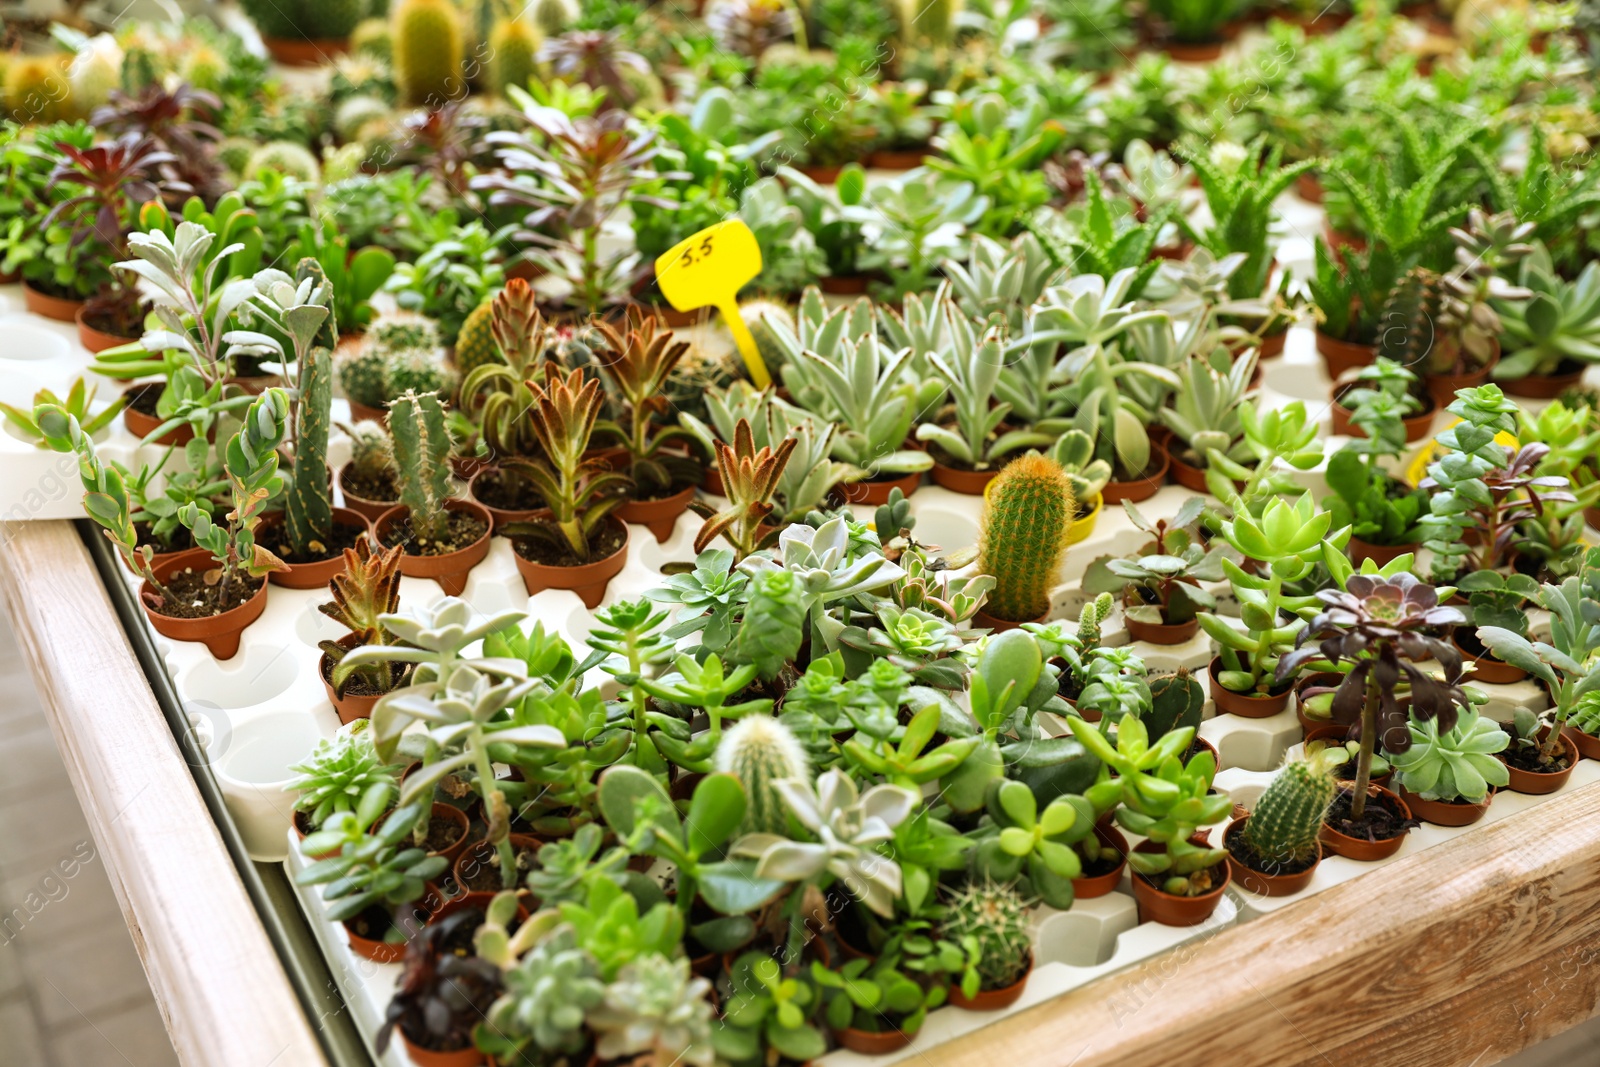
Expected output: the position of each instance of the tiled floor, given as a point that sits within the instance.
(72, 993)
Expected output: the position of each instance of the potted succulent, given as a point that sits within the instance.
(335, 776)
(969, 451)
(1498, 600)
(1023, 539)
(1205, 417)
(442, 994)
(1179, 879)
(1448, 777)
(1192, 30)
(1403, 397)
(1382, 626)
(872, 1006)
(575, 542)
(444, 538)
(499, 360)
(993, 919)
(1549, 338)
(637, 364)
(368, 483)
(304, 33)
(1275, 849)
(367, 589)
(1468, 328)
(750, 478)
(1384, 514)
(1160, 582)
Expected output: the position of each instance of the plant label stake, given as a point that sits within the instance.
(708, 270)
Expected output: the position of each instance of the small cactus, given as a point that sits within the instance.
(422, 456)
(415, 370)
(371, 38)
(371, 450)
(330, 19)
(1410, 319)
(361, 375)
(1093, 614)
(1023, 537)
(355, 112)
(1283, 827)
(475, 344)
(759, 750)
(554, 17)
(996, 916)
(427, 51)
(308, 507)
(287, 158)
(514, 52)
(1176, 701)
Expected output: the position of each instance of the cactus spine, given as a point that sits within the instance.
(759, 750)
(371, 451)
(308, 510)
(414, 370)
(1406, 330)
(1024, 536)
(996, 916)
(422, 455)
(475, 344)
(427, 52)
(1283, 827)
(514, 51)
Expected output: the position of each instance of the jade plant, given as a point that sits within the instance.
(1023, 842)
(875, 996)
(1026, 517)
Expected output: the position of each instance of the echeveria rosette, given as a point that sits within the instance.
(1456, 763)
(1379, 625)
(849, 827)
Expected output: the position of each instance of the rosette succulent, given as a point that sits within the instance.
(655, 1014)
(1458, 763)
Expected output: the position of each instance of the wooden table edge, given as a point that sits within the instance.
(217, 979)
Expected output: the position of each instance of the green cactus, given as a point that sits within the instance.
(371, 450)
(427, 51)
(274, 18)
(514, 53)
(1406, 330)
(308, 508)
(1024, 536)
(287, 158)
(361, 375)
(475, 344)
(417, 370)
(37, 90)
(759, 750)
(1283, 827)
(355, 112)
(235, 152)
(1175, 702)
(332, 19)
(554, 17)
(1093, 614)
(371, 38)
(996, 917)
(422, 459)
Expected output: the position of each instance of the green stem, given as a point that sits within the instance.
(486, 788)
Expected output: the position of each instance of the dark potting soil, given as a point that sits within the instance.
(179, 540)
(606, 541)
(1527, 758)
(378, 488)
(358, 686)
(376, 924)
(459, 941)
(649, 496)
(465, 529)
(482, 870)
(192, 598)
(506, 494)
(1378, 822)
(144, 399)
(442, 833)
(1240, 848)
(1205, 881)
(1105, 863)
(345, 535)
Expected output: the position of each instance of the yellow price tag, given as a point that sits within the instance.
(708, 270)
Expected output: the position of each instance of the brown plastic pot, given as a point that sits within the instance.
(1309, 187)
(373, 510)
(1343, 356)
(1588, 745)
(1543, 386)
(476, 854)
(588, 580)
(1446, 812)
(312, 575)
(96, 340)
(305, 51)
(457, 816)
(360, 412)
(461, 1057)
(1188, 475)
(1445, 386)
(972, 483)
(1099, 885)
(59, 308)
(451, 569)
(351, 706)
(897, 158)
(141, 425)
(498, 516)
(1487, 668)
(1357, 848)
(1260, 882)
(870, 1044)
(873, 493)
(820, 174)
(1141, 488)
(1193, 51)
(844, 284)
(1538, 783)
(661, 516)
(219, 633)
(1359, 550)
(1272, 345)
(1157, 905)
(992, 999)
(376, 951)
(1158, 633)
(984, 619)
(1246, 707)
(1418, 427)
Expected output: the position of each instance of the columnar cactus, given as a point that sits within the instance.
(514, 52)
(1093, 614)
(759, 750)
(996, 916)
(422, 455)
(1410, 317)
(1283, 827)
(427, 51)
(308, 510)
(1024, 536)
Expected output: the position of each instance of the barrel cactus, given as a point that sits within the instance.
(287, 158)
(554, 17)
(361, 375)
(759, 750)
(1283, 827)
(37, 90)
(995, 916)
(427, 51)
(355, 112)
(371, 38)
(1023, 536)
(514, 52)
(475, 344)
(415, 369)
(371, 450)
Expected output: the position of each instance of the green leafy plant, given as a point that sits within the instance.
(917, 220)
(338, 773)
(875, 996)
(1025, 842)
(1455, 764)
(768, 1010)
(369, 868)
(1240, 187)
(1160, 582)
(1559, 323)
